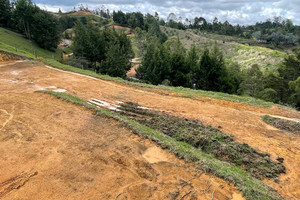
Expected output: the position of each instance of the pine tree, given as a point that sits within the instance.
(23, 16)
(192, 62)
(116, 63)
(5, 12)
(45, 30)
(253, 83)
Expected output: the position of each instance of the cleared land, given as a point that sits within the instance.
(20, 80)
(56, 150)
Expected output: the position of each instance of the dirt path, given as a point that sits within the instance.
(241, 120)
(52, 149)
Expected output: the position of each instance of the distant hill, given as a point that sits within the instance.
(243, 54)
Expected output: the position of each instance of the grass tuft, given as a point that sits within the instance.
(282, 124)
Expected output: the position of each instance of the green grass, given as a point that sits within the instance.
(210, 140)
(282, 124)
(251, 188)
(10, 40)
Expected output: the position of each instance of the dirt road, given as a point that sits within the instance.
(19, 81)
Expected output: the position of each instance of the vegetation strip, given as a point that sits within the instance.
(251, 187)
(282, 124)
(210, 140)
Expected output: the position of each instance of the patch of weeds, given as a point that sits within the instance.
(282, 124)
(208, 139)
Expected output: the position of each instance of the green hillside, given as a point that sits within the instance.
(12, 42)
(245, 55)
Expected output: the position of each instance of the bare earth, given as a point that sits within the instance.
(55, 150)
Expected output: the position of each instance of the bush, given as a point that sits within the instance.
(269, 94)
(78, 62)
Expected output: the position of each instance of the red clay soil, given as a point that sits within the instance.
(116, 27)
(52, 149)
(241, 120)
(132, 71)
(82, 13)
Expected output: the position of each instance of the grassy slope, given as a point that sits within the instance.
(251, 187)
(10, 40)
(245, 55)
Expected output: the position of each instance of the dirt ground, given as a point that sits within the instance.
(52, 149)
(59, 160)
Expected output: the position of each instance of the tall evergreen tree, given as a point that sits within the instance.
(23, 16)
(253, 83)
(212, 74)
(192, 62)
(116, 63)
(288, 71)
(5, 12)
(45, 30)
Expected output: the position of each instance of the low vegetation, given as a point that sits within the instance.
(251, 187)
(283, 124)
(208, 139)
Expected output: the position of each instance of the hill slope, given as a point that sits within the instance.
(10, 40)
(245, 55)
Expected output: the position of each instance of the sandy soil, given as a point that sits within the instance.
(52, 149)
(241, 120)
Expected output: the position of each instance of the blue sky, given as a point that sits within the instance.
(235, 11)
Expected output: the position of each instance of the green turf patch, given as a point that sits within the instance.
(251, 187)
(208, 139)
(283, 124)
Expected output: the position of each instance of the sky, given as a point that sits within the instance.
(242, 12)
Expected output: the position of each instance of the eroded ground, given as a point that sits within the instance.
(51, 149)
(83, 156)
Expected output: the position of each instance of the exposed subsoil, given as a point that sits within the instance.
(69, 132)
(51, 149)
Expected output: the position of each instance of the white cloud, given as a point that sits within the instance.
(235, 11)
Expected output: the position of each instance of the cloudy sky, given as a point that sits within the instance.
(235, 11)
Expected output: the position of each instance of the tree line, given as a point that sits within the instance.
(34, 23)
(276, 31)
(171, 64)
